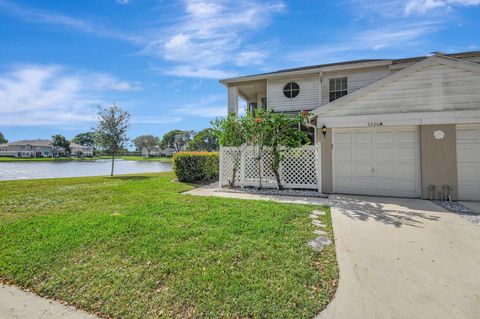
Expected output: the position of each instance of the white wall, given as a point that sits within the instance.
(436, 87)
(356, 79)
(307, 99)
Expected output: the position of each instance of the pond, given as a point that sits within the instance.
(55, 169)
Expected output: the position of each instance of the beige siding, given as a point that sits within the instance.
(307, 99)
(436, 87)
(356, 79)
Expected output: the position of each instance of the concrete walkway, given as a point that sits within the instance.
(398, 258)
(19, 304)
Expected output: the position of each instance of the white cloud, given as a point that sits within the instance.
(423, 6)
(210, 107)
(211, 35)
(397, 36)
(207, 39)
(52, 94)
(200, 72)
(251, 57)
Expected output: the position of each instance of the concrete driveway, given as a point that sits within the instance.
(403, 258)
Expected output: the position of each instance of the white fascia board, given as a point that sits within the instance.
(420, 118)
(289, 74)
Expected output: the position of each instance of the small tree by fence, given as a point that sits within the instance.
(276, 131)
(231, 132)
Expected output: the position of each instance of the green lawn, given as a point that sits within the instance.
(46, 159)
(134, 247)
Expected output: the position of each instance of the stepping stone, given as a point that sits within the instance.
(318, 213)
(324, 240)
(312, 216)
(319, 232)
(318, 223)
(315, 245)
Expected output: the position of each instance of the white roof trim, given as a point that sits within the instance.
(466, 65)
(286, 74)
(418, 118)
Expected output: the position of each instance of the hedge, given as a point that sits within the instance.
(196, 166)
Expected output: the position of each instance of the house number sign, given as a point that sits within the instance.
(375, 124)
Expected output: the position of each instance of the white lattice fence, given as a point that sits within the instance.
(300, 168)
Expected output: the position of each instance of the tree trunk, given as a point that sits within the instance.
(277, 177)
(276, 167)
(113, 163)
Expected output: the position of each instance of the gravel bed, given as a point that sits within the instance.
(465, 212)
(274, 191)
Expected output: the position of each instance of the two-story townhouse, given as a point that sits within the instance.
(391, 127)
(41, 148)
(81, 150)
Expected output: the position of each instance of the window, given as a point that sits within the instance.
(252, 107)
(291, 90)
(338, 88)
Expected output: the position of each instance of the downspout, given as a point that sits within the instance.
(308, 124)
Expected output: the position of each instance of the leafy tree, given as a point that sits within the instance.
(111, 131)
(146, 141)
(85, 139)
(205, 140)
(3, 140)
(231, 132)
(59, 141)
(177, 139)
(280, 131)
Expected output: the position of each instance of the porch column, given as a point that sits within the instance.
(232, 100)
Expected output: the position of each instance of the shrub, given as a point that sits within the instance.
(196, 166)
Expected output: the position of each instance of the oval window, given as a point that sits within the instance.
(291, 90)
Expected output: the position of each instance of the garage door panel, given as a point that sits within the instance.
(363, 153)
(344, 153)
(467, 135)
(469, 172)
(343, 138)
(407, 153)
(383, 161)
(406, 186)
(385, 185)
(407, 137)
(362, 169)
(342, 169)
(363, 137)
(468, 162)
(407, 170)
(468, 154)
(345, 182)
(384, 137)
(385, 153)
(363, 184)
(385, 169)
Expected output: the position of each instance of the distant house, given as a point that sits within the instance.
(157, 151)
(81, 150)
(41, 148)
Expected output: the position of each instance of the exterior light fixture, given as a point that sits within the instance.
(324, 131)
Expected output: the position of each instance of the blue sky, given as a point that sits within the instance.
(161, 60)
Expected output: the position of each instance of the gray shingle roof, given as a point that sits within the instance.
(458, 55)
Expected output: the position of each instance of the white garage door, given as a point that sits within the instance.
(377, 161)
(468, 161)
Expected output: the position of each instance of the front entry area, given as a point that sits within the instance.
(382, 161)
